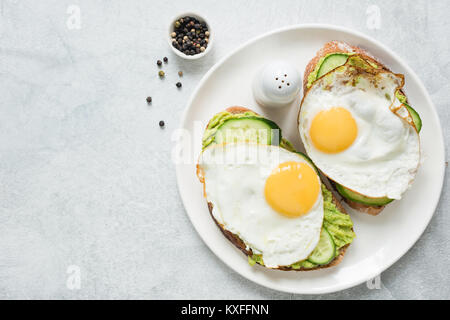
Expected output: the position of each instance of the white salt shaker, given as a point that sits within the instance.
(276, 84)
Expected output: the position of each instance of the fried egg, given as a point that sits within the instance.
(357, 132)
(270, 197)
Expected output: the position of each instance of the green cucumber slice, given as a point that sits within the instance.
(248, 129)
(415, 116)
(356, 197)
(332, 62)
(325, 249)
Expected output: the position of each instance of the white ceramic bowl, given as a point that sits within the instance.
(172, 28)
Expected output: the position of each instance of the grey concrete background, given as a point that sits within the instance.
(85, 171)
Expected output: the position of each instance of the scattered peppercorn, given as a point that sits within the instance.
(180, 73)
(149, 99)
(178, 84)
(192, 35)
(165, 59)
(159, 62)
(161, 74)
(161, 124)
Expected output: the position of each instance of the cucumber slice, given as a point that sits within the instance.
(248, 129)
(325, 249)
(356, 197)
(415, 116)
(332, 62)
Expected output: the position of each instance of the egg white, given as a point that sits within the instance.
(234, 177)
(383, 160)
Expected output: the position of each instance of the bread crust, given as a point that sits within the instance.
(237, 109)
(233, 238)
(342, 47)
(372, 210)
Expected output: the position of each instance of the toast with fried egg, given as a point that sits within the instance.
(331, 56)
(338, 224)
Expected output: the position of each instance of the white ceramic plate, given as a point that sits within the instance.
(381, 240)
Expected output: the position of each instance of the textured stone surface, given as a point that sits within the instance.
(85, 170)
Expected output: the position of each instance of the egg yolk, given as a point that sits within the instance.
(292, 189)
(333, 130)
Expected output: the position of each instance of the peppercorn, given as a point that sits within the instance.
(178, 84)
(161, 74)
(165, 59)
(149, 99)
(159, 62)
(161, 123)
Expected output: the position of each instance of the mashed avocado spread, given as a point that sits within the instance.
(338, 224)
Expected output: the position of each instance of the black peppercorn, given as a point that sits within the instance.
(161, 124)
(149, 99)
(178, 84)
(165, 59)
(159, 62)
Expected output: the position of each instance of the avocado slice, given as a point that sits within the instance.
(356, 197)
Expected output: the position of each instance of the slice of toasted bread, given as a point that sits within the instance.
(233, 238)
(342, 47)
